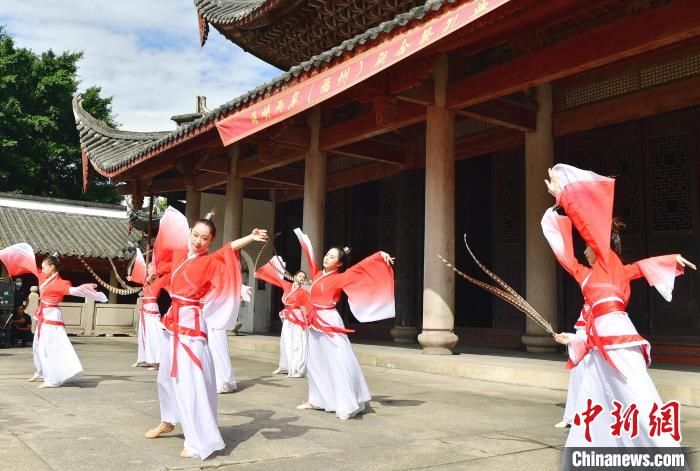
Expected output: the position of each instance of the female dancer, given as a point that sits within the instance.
(615, 355)
(294, 336)
(150, 335)
(54, 356)
(336, 383)
(205, 290)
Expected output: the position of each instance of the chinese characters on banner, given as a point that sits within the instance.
(310, 92)
(661, 420)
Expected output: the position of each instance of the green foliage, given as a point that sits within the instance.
(39, 146)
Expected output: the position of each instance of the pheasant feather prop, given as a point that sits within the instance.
(505, 292)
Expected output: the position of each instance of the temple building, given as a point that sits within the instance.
(404, 125)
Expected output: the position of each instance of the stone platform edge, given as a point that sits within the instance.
(678, 385)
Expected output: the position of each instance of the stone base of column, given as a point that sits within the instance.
(540, 343)
(402, 334)
(435, 342)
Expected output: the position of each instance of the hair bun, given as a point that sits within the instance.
(210, 215)
(346, 250)
(55, 254)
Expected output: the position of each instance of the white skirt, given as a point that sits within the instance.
(190, 398)
(336, 382)
(603, 385)
(54, 356)
(150, 338)
(294, 348)
(218, 345)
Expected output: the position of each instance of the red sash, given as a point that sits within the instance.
(593, 339)
(289, 314)
(172, 323)
(315, 321)
(39, 314)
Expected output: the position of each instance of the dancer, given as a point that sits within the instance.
(54, 356)
(615, 355)
(336, 383)
(218, 345)
(151, 336)
(294, 336)
(205, 291)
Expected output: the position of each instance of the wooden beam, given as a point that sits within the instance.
(503, 112)
(282, 196)
(362, 174)
(215, 165)
(168, 185)
(674, 96)
(374, 150)
(207, 180)
(294, 137)
(487, 142)
(254, 165)
(365, 126)
(424, 94)
(659, 27)
(289, 175)
(250, 184)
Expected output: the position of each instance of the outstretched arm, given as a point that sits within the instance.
(587, 199)
(557, 231)
(257, 235)
(660, 272)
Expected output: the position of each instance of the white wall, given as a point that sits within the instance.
(254, 316)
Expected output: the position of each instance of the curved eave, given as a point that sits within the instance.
(250, 14)
(160, 142)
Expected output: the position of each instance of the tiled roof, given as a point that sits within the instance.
(69, 234)
(112, 151)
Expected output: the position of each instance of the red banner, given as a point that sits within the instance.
(315, 90)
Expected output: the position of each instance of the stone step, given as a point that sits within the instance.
(681, 383)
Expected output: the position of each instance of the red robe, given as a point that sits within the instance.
(587, 199)
(294, 299)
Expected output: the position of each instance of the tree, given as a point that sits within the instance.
(39, 145)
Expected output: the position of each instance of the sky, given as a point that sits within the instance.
(143, 53)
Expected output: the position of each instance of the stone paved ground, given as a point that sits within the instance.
(416, 421)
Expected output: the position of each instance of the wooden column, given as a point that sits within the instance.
(112, 297)
(315, 189)
(233, 213)
(540, 268)
(437, 337)
(193, 201)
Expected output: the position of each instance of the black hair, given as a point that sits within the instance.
(53, 261)
(209, 222)
(615, 241)
(343, 257)
(301, 271)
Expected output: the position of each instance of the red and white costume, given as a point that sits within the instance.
(614, 354)
(336, 383)
(151, 336)
(294, 337)
(54, 356)
(205, 292)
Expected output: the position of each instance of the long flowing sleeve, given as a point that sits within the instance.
(270, 273)
(138, 269)
(660, 272)
(308, 250)
(223, 302)
(89, 291)
(19, 259)
(369, 285)
(587, 199)
(557, 231)
(172, 239)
